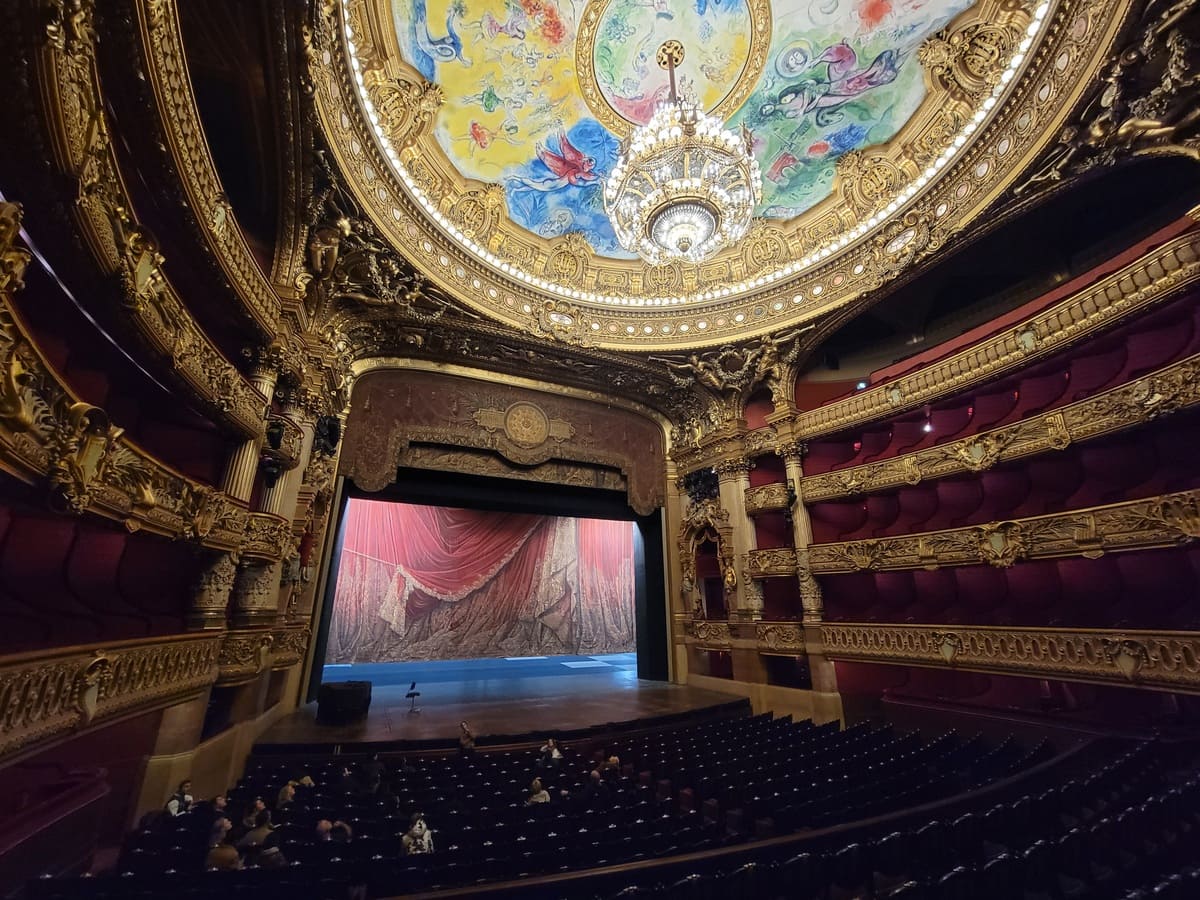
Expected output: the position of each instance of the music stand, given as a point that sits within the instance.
(412, 695)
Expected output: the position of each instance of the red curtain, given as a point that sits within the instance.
(424, 582)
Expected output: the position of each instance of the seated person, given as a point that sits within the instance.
(257, 835)
(537, 793)
(551, 755)
(418, 838)
(270, 856)
(249, 816)
(287, 794)
(221, 854)
(180, 801)
(338, 832)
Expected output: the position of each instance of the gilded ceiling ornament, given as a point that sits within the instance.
(1147, 104)
(832, 257)
(969, 61)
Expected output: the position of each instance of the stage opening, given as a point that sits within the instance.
(439, 593)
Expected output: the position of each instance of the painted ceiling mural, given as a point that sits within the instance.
(539, 93)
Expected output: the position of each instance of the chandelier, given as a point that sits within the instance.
(684, 186)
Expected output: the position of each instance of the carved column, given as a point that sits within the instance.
(242, 467)
(317, 486)
(210, 597)
(256, 594)
(733, 477)
(810, 590)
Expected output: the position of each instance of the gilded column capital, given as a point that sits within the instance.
(732, 469)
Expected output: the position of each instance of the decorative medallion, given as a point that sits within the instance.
(526, 425)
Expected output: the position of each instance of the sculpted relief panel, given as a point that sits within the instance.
(401, 418)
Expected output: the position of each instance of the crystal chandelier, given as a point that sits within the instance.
(684, 186)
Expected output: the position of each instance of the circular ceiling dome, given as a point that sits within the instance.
(478, 134)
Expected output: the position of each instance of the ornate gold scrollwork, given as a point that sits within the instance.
(50, 696)
(1150, 281)
(1159, 660)
(1162, 521)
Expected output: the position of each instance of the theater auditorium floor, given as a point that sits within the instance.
(589, 697)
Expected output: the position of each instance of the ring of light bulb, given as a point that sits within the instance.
(430, 205)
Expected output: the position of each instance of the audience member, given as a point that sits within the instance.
(537, 793)
(551, 755)
(466, 738)
(338, 832)
(258, 834)
(418, 838)
(180, 801)
(222, 854)
(287, 794)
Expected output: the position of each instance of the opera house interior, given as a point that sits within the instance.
(795, 395)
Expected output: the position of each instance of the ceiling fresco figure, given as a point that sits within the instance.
(539, 93)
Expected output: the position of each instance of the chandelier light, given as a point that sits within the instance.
(684, 186)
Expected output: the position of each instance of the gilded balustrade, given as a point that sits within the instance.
(178, 121)
(771, 563)
(1170, 389)
(1164, 521)
(49, 436)
(1152, 280)
(77, 123)
(768, 498)
(1166, 660)
(49, 694)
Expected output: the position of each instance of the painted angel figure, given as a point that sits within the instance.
(569, 166)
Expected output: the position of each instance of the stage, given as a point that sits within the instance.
(505, 701)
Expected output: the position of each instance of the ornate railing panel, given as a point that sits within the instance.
(1170, 389)
(1165, 521)
(1162, 660)
(1149, 281)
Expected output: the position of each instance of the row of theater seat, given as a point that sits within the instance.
(702, 788)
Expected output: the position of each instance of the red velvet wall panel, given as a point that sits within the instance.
(1128, 352)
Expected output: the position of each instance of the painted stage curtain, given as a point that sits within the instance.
(427, 582)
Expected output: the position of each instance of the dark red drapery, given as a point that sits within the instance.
(424, 582)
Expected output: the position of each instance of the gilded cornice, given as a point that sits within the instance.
(51, 694)
(177, 121)
(1167, 660)
(48, 436)
(1165, 521)
(1150, 281)
(770, 563)
(77, 124)
(246, 654)
(1071, 47)
(767, 498)
(1168, 390)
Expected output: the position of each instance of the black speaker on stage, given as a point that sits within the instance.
(342, 702)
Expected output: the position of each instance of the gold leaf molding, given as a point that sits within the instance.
(1168, 390)
(1164, 521)
(78, 127)
(179, 122)
(1161, 660)
(1150, 281)
(47, 695)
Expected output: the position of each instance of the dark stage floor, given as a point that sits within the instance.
(498, 697)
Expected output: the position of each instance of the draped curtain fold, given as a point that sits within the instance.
(421, 582)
